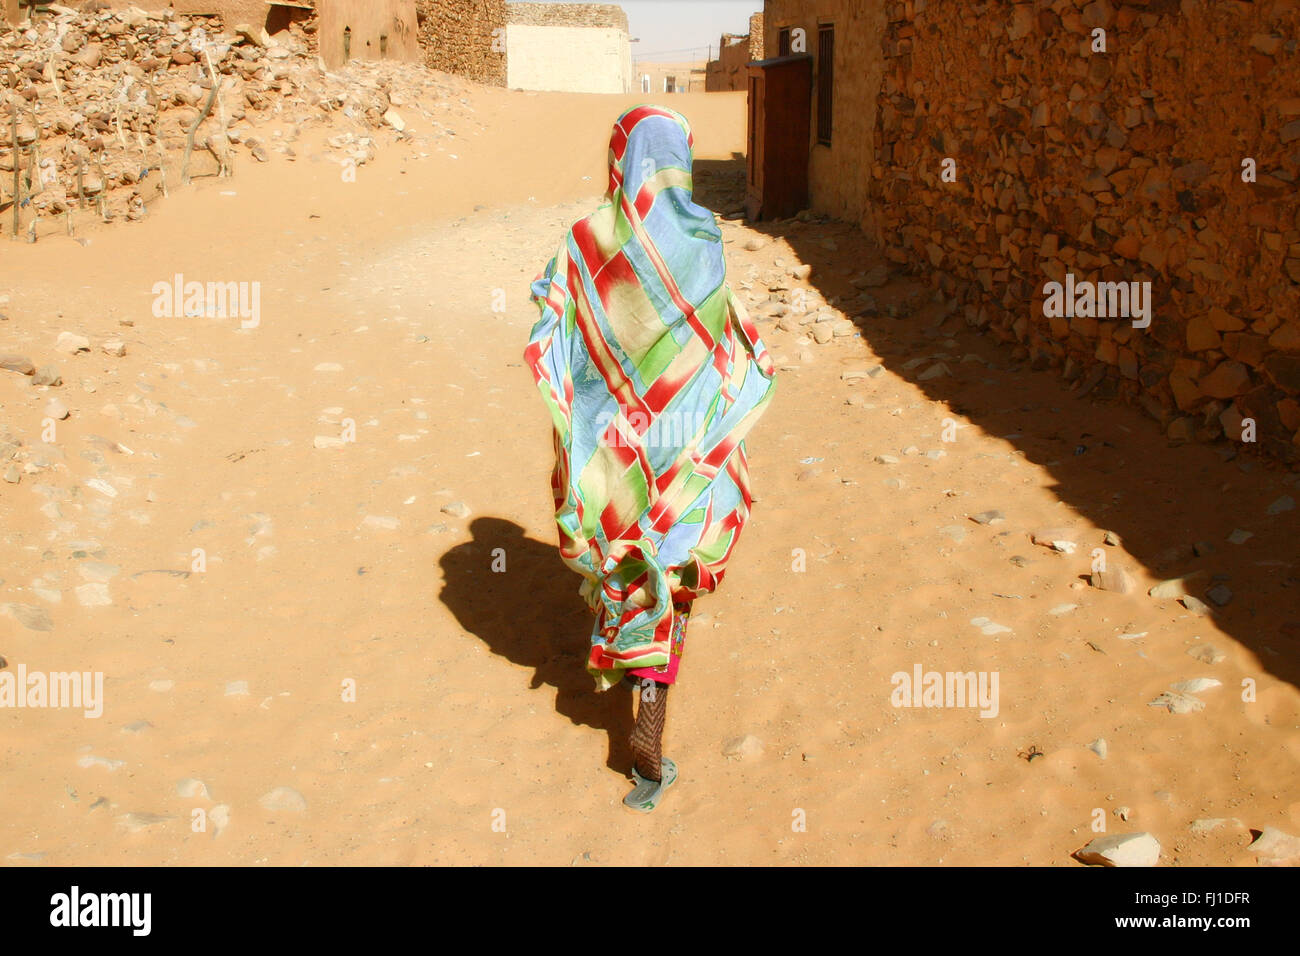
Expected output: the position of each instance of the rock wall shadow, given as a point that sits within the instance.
(1173, 505)
(531, 614)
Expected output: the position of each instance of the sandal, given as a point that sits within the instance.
(646, 794)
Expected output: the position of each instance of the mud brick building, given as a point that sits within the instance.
(735, 53)
(1154, 141)
(670, 77)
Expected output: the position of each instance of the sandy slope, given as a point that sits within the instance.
(335, 565)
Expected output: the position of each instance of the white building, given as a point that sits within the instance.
(568, 47)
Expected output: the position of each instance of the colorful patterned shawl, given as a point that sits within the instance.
(653, 374)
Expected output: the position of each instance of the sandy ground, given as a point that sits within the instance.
(473, 735)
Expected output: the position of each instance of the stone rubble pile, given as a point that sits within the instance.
(105, 100)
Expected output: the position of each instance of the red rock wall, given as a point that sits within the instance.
(1123, 165)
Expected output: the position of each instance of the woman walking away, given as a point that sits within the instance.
(653, 374)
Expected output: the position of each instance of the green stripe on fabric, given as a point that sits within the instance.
(658, 357)
(712, 312)
(714, 551)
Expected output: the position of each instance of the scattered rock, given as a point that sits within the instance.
(1121, 849)
(1220, 595)
(16, 363)
(71, 343)
(1058, 539)
(191, 789)
(1177, 703)
(284, 798)
(457, 509)
(394, 119)
(94, 594)
(1173, 587)
(742, 747)
(1210, 824)
(1196, 685)
(1207, 654)
(29, 616)
(1274, 847)
(1283, 504)
(988, 627)
(937, 370)
(219, 817)
(136, 822)
(1112, 579)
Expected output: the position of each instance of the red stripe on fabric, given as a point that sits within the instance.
(585, 239)
(618, 141)
(645, 199)
(621, 451)
(629, 122)
(738, 468)
(665, 276)
(599, 350)
(664, 390)
(615, 272)
(715, 458)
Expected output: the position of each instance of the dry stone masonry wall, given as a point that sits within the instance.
(1102, 141)
(465, 37)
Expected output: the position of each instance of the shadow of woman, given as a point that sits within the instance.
(519, 598)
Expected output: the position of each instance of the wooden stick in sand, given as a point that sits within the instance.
(17, 188)
(189, 137)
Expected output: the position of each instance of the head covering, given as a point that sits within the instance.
(653, 374)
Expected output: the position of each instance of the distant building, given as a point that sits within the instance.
(735, 53)
(568, 47)
(670, 77)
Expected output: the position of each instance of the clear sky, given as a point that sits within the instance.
(683, 30)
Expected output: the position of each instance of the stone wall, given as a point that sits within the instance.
(1115, 165)
(756, 38)
(605, 15)
(465, 37)
(568, 47)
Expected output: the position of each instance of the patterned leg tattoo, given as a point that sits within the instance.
(648, 733)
